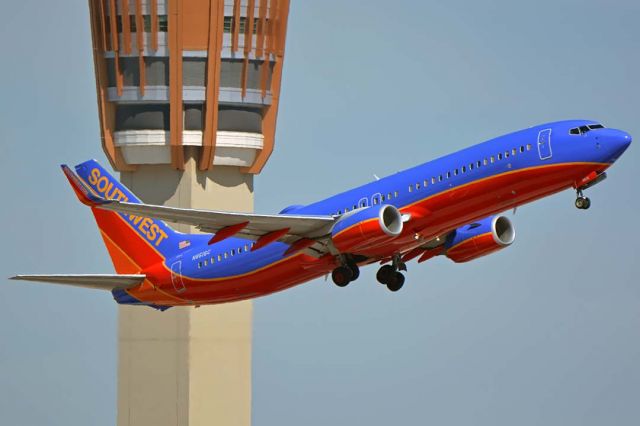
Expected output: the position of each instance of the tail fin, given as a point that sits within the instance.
(133, 242)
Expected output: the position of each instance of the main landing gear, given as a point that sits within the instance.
(390, 276)
(346, 273)
(582, 202)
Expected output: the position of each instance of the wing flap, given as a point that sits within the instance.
(94, 281)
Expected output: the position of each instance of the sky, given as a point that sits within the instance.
(543, 332)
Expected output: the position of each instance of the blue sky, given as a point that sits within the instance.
(544, 332)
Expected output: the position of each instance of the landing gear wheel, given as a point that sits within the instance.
(396, 282)
(341, 276)
(355, 271)
(583, 203)
(385, 273)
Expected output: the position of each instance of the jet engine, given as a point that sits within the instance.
(366, 229)
(479, 239)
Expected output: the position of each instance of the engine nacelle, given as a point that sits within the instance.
(479, 239)
(365, 229)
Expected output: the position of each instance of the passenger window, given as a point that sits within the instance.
(455, 172)
(500, 156)
(506, 154)
(464, 169)
(448, 175)
(219, 257)
(471, 166)
(375, 201)
(239, 250)
(226, 255)
(417, 185)
(410, 188)
(212, 260)
(514, 151)
(433, 180)
(426, 182)
(528, 147)
(485, 162)
(388, 196)
(199, 265)
(204, 263)
(493, 159)
(522, 148)
(440, 178)
(382, 197)
(395, 194)
(355, 207)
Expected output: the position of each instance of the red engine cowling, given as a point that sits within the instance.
(479, 239)
(366, 229)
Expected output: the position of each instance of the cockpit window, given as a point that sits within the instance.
(584, 129)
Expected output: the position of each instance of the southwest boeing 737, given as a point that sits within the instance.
(446, 207)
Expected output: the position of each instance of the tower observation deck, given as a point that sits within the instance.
(188, 96)
(172, 74)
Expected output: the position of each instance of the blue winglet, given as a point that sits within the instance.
(84, 194)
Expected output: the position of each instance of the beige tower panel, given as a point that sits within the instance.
(187, 366)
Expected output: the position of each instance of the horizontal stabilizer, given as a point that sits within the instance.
(95, 281)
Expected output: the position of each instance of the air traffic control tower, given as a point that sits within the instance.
(187, 99)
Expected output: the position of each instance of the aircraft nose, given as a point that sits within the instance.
(616, 142)
(621, 140)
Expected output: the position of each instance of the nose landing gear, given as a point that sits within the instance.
(582, 202)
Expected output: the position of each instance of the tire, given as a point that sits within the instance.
(341, 276)
(396, 283)
(581, 203)
(587, 203)
(355, 271)
(385, 273)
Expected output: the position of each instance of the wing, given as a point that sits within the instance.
(248, 225)
(96, 281)
(303, 231)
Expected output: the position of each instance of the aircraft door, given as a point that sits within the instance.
(544, 144)
(176, 276)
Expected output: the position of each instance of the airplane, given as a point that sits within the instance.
(446, 207)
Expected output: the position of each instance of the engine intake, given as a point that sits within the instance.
(365, 229)
(480, 239)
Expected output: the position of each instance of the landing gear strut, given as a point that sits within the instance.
(389, 275)
(582, 202)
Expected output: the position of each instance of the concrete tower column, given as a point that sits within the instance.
(187, 366)
(188, 94)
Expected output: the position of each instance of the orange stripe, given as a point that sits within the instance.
(500, 175)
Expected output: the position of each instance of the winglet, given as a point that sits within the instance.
(83, 193)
